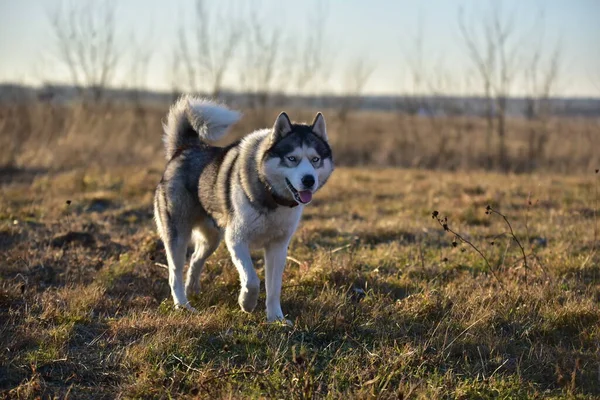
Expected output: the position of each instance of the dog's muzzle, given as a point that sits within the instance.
(302, 196)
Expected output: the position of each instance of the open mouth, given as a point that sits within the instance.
(302, 196)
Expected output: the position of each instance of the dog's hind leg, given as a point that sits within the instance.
(175, 233)
(206, 240)
(176, 246)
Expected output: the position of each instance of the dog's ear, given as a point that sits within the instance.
(318, 126)
(282, 126)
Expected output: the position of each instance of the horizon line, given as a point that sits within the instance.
(332, 94)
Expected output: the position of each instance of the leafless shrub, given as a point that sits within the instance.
(494, 269)
(542, 73)
(311, 54)
(261, 55)
(85, 44)
(356, 76)
(53, 135)
(427, 99)
(206, 49)
(495, 46)
(136, 79)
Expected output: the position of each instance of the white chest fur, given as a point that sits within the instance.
(260, 229)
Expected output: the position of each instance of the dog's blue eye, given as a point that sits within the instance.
(315, 159)
(292, 158)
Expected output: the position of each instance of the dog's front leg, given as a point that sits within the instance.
(240, 255)
(275, 256)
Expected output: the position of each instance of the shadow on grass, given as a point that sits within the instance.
(12, 175)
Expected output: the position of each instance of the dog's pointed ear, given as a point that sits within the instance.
(282, 126)
(318, 126)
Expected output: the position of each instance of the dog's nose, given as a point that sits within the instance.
(308, 181)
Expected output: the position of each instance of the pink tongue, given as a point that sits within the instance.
(305, 196)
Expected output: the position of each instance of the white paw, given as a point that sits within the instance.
(186, 307)
(248, 298)
(280, 321)
(276, 316)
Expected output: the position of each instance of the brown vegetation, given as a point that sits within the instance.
(61, 137)
(384, 304)
(497, 296)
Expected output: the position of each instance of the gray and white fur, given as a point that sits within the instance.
(251, 193)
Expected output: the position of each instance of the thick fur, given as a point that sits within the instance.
(251, 193)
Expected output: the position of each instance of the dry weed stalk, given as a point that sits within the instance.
(489, 210)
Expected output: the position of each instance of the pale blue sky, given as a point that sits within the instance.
(380, 31)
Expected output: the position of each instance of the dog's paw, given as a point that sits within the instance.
(276, 316)
(281, 321)
(186, 307)
(192, 290)
(248, 298)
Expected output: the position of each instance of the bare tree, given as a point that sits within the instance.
(136, 79)
(507, 45)
(426, 97)
(206, 49)
(423, 79)
(414, 59)
(495, 58)
(85, 41)
(261, 57)
(356, 76)
(495, 47)
(175, 75)
(542, 75)
(137, 76)
(483, 57)
(313, 57)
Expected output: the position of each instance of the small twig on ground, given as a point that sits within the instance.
(364, 347)
(444, 224)
(341, 248)
(226, 374)
(189, 367)
(482, 362)
(295, 260)
(503, 259)
(19, 275)
(162, 265)
(500, 366)
(97, 338)
(595, 240)
(446, 347)
(421, 258)
(595, 213)
(490, 210)
(531, 247)
(528, 238)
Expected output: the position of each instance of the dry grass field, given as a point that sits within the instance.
(58, 137)
(385, 303)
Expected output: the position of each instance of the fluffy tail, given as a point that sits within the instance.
(193, 120)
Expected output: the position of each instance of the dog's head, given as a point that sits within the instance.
(298, 160)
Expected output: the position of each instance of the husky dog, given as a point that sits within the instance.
(251, 192)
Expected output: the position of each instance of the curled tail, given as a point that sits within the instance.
(193, 120)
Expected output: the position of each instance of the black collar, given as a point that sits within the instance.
(282, 201)
(273, 199)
